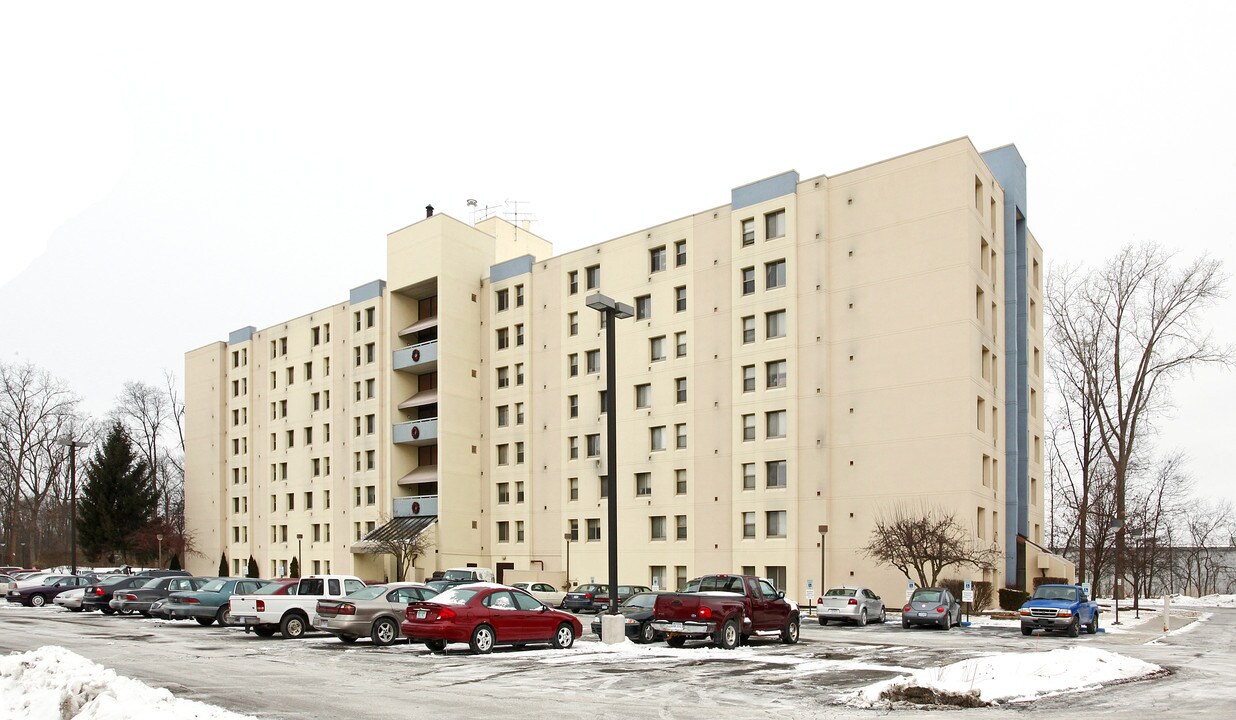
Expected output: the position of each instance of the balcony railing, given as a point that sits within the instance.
(416, 432)
(414, 506)
(419, 358)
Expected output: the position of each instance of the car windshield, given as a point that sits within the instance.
(643, 600)
(521, 585)
(928, 596)
(373, 592)
(271, 589)
(457, 575)
(214, 586)
(115, 580)
(455, 596)
(591, 588)
(840, 592)
(154, 582)
(1056, 593)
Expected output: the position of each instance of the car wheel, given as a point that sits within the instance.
(107, 611)
(264, 631)
(862, 618)
(646, 633)
(293, 627)
(349, 639)
(384, 632)
(823, 621)
(223, 615)
(482, 639)
(565, 637)
(435, 645)
(204, 621)
(143, 613)
(75, 609)
(883, 616)
(789, 633)
(1074, 627)
(676, 641)
(1092, 627)
(727, 636)
(1026, 630)
(947, 622)
(905, 624)
(38, 600)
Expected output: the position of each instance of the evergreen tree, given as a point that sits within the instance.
(174, 563)
(223, 565)
(253, 568)
(295, 571)
(118, 499)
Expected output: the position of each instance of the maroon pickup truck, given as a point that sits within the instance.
(728, 609)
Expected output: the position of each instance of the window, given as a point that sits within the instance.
(656, 438)
(774, 274)
(680, 253)
(519, 296)
(309, 371)
(504, 454)
(503, 338)
(574, 525)
(573, 447)
(774, 474)
(371, 495)
(593, 358)
(370, 317)
(748, 427)
(291, 435)
(519, 413)
(680, 390)
(519, 453)
(519, 373)
(656, 349)
(643, 396)
(504, 531)
(594, 444)
(656, 259)
(371, 424)
(680, 436)
(519, 335)
(371, 459)
(775, 374)
(748, 280)
(656, 527)
(776, 576)
(519, 533)
(371, 351)
(309, 501)
(291, 374)
(748, 525)
(504, 493)
(643, 307)
(775, 523)
(680, 298)
(573, 489)
(504, 415)
(643, 484)
(680, 527)
(573, 406)
(680, 342)
(594, 530)
(748, 378)
(371, 386)
(774, 225)
(502, 300)
(573, 282)
(748, 330)
(504, 377)
(748, 231)
(603, 485)
(775, 424)
(748, 476)
(592, 275)
(680, 481)
(774, 324)
(573, 364)
(573, 323)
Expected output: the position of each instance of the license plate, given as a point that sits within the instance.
(245, 620)
(422, 614)
(834, 609)
(922, 614)
(675, 626)
(323, 622)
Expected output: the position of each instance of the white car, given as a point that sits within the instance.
(34, 580)
(7, 583)
(542, 591)
(71, 600)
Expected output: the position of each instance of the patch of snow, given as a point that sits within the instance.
(1017, 677)
(51, 683)
(1205, 617)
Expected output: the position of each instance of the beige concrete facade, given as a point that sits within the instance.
(809, 355)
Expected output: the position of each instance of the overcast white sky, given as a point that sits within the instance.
(172, 171)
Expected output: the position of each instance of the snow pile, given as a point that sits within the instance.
(1014, 677)
(52, 683)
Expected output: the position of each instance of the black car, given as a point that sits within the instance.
(638, 613)
(99, 596)
(139, 599)
(53, 585)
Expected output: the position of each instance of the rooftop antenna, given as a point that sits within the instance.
(472, 209)
(515, 216)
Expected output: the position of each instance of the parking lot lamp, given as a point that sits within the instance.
(72, 445)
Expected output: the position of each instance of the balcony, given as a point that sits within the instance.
(416, 432)
(419, 506)
(419, 358)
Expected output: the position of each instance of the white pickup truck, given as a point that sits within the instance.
(289, 614)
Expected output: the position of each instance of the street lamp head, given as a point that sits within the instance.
(299, 536)
(600, 303)
(69, 442)
(566, 536)
(623, 311)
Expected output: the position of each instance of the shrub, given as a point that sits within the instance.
(174, 563)
(1049, 581)
(1012, 598)
(982, 594)
(954, 586)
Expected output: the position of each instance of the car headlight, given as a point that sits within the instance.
(632, 622)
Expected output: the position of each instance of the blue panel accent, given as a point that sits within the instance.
(242, 335)
(766, 189)
(368, 291)
(521, 265)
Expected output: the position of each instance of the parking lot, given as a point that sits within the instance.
(320, 676)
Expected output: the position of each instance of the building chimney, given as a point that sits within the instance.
(429, 211)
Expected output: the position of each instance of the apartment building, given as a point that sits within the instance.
(801, 360)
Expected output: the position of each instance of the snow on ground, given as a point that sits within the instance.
(1205, 617)
(51, 683)
(1017, 677)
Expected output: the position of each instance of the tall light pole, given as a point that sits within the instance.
(567, 537)
(72, 445)
(159, 537)
(299, 560)
(612, 628)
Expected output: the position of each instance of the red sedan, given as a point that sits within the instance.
(484, 615)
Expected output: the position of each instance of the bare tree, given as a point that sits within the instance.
(1129, 327)
(926, 541)
(1208, 525)
(404, 549)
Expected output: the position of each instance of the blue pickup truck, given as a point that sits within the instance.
(1062, 608)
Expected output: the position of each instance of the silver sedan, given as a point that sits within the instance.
(849, 603)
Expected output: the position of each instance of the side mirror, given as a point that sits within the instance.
(780, 594)
(544, 608)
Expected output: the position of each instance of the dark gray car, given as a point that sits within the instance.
(931, 606)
